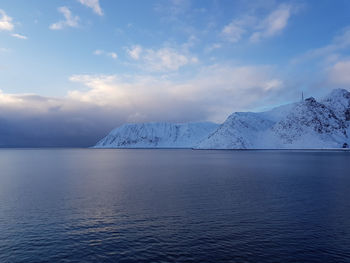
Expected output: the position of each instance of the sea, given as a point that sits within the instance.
(174, 205)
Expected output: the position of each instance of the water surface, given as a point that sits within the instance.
(89, 205)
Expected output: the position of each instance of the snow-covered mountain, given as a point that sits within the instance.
(157, 135)
(301, 125)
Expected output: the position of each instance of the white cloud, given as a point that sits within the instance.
(214, 92)
(94, 5)
(19, 36)
(166, 59)
(112, 55)
(7, 98)
(190, 43)
(213, 47)
(273, 24)
(134, 52)
(256, 27)
(70, 20)
(330, 63)
(235, 30)
(272, 84)
(99, 52)
(5, 22)
(161, 60)
(339, 73)
(339, 43)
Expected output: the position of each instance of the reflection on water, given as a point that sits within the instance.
(73, 205)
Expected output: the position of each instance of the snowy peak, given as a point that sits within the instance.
(306, 124)
(337, 95)
(157, 135)
(310, 122)
(339, 101)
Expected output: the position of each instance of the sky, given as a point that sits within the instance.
(71, 70)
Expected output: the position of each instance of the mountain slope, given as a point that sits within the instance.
(311, 124)
(307, 124)
(157, 135)
(241, 130)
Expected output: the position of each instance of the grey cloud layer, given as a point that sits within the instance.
(84, 116)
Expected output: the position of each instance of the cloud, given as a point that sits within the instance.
(99, 52)
(258, 28)
(339, 43)
(19, 36)
(165, 59)
(29, 120)
(234, 31)
(94, 5)
(112, 55)
(339, 73)
(190, 43)
(161, 60)
(70, 20)
(213, 47)
(5, 22)
(213, 93)
(273, 24)
(86, 114)
(134, 52)
(325, 67)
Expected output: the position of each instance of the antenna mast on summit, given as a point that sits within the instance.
(302, 96)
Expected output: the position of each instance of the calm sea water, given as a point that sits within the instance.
(85, 205)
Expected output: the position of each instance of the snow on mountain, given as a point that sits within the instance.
(311, 125)
(157, 135)
(302, 125)
(307, 124)
(339, 101)
(241, 130)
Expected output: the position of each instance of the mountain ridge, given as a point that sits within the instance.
(309, 124)
(157, 135)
